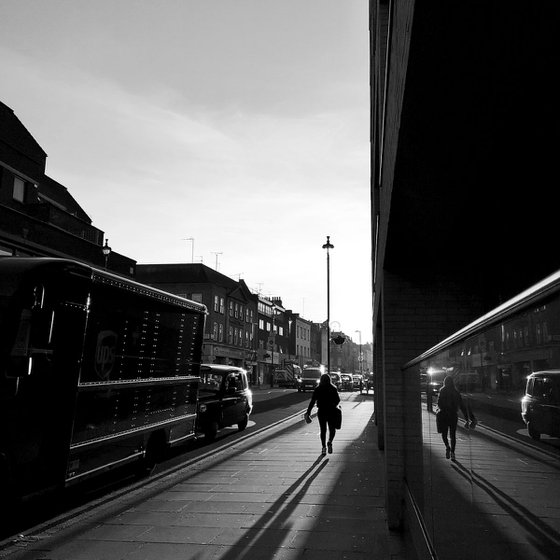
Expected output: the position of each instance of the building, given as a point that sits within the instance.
(300, 339)
(38, 215)
(464, 136)
(230, 331)
(273, 345)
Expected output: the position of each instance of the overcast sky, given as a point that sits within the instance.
(243, 124)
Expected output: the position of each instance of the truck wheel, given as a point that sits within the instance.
(532, 432)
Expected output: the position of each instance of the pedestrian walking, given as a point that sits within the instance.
(449, 403)
(327, 398)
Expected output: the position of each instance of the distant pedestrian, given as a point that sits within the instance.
(327, 398)
(449, 403)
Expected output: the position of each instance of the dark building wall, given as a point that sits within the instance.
(464, 115)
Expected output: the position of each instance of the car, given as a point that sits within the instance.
(224, 399)
(540, 405)
(347, 382)
(357, 381)
(309, 378)
(368, 382)
(335, 380)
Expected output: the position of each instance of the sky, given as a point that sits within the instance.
(229, 132)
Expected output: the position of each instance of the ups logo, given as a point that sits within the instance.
(105, 353)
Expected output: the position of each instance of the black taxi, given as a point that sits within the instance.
(540, 406)
(224, 399)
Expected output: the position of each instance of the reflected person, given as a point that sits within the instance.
(449, 403)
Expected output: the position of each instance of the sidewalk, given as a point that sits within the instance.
(267, 496)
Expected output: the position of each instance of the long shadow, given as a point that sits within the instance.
(255, 539)
(544, 537)
(269, 534)
(461, 528)
(129, 498)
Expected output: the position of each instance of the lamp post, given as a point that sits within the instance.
(360, 358)
(272, 343)
(328, 245)
(106, 250)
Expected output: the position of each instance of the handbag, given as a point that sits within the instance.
(338, 417)
(439, 421)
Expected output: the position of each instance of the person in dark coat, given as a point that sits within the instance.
(327, 398)
(449, 403)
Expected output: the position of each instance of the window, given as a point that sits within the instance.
(216, 304)
(261, 324)
(231, 308)
(215, 332)
(221, 332)
(197, 297)
(281, 331)
(19, 189)
(230, 335)
(222, 306)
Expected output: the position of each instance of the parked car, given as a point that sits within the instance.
(540, 406)
(368, 382)
(335, 380)
(309, 378)
(347, 382)
(224, 399)
(357, 382)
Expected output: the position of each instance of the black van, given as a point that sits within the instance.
(540, 406)
(224, 399)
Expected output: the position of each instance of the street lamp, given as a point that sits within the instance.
(328, 245)
(106, 252)
(360, 358)
(272, 343)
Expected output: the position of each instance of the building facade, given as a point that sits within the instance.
(462, 217)
(38, 215)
